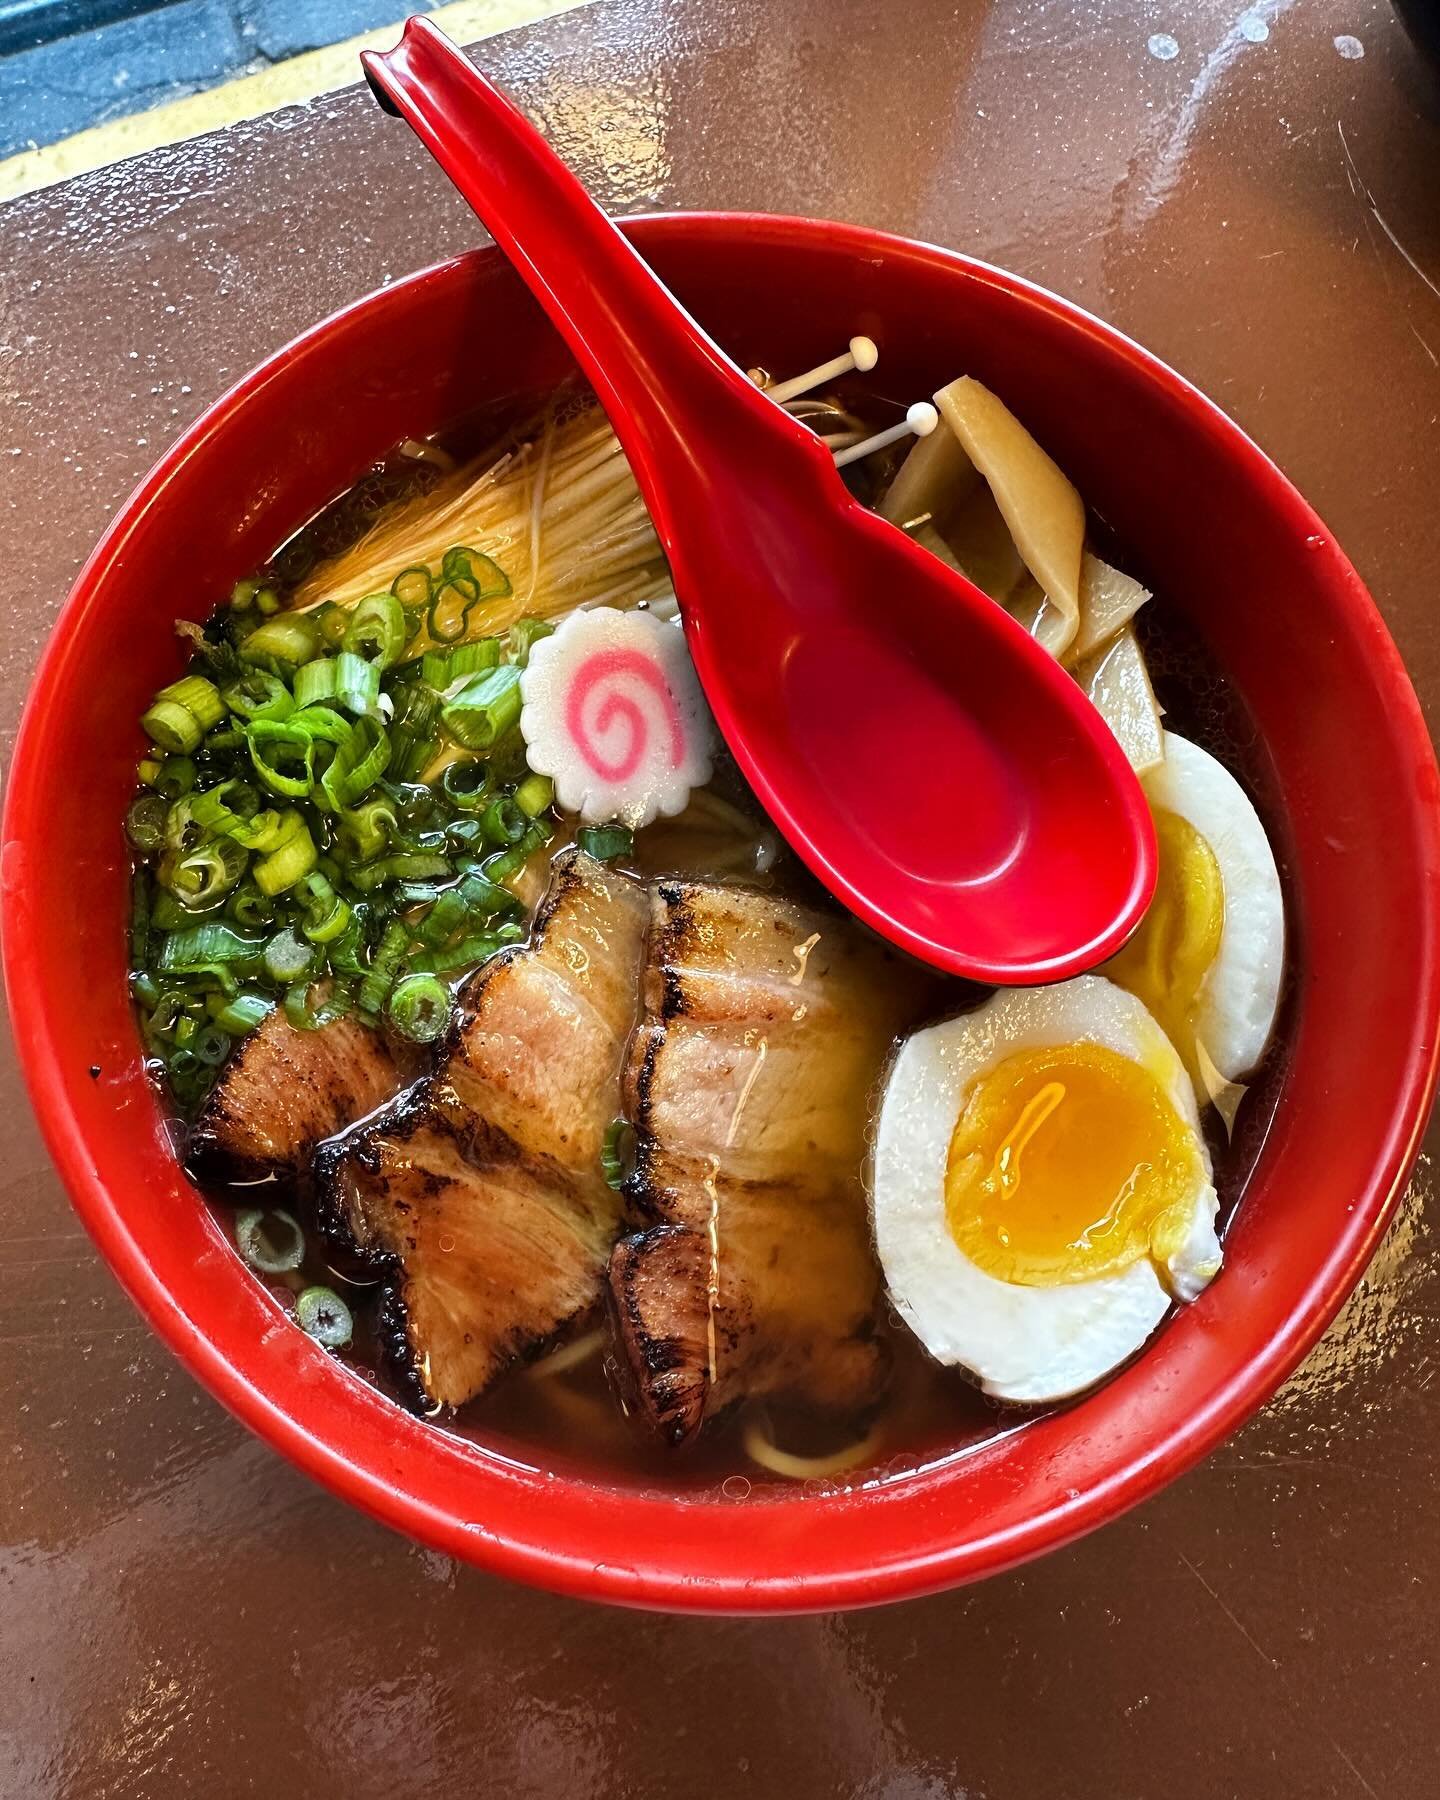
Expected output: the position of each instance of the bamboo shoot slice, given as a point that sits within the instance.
(1109, 600)
(932, 481)
(939, 496)
(1117, 683)
(1045, 515)
(1040, 617)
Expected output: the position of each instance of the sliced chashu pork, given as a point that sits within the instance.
(284, 1090)
(482, 1190)
(764, 1032)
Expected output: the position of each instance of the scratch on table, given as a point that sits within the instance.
(1264, 1655)
(1361, 190)
(51, 1340)
(1353, 1770)
(1384, 225)
(1426, 348)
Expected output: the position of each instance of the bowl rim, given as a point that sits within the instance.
(382, 1491)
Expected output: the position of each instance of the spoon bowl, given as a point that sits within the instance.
(934, 767)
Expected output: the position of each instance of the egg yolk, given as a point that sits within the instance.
(1165, 963)
(1068, 1163)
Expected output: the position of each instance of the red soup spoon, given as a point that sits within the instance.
(935, 768)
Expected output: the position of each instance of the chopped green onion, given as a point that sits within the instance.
(465, 834)
(266, 831)
(198, 877)
(267, 599)
(167, 914)
(260, 695)
(175, 776)
(380, 977)
(466, 954)
(448, 615)
(183, 831)
(484, 898)
(474, 898)
(473, 658)
(487, 577)
(243, 594)
(617, 1153)
(283, 755)
(419, 1008)
(377, 630)
(144, 988)
(210, 1045)
(145, 822)
(359, 763)
(172, 727)
(414, 802)
(283, 643)
(515, 858)
(357, 682)
(332, 622)
(269, 1239)
(524, 635)
(414, 708)
(412, 729)
(484, 709)
(200, 698)
(324, 1316)
(370, 827)
(288, 956)
(467, 784)
(606, 842)
(244, 1013)
(170, 1011)
(348, 953)
(305, 1013)
(445, 917)
(294, 856)
(326, 915)
(147, 770)
(535, 795)
(439, 668)
(315, 682)
(249, 907)
(413, 587)
(503, 821)
(322, 725)
(196, 948)
(406, 866)
(231, 807)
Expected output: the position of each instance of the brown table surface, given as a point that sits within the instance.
(180, 1612)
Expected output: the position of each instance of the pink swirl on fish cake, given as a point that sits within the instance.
(617, 707)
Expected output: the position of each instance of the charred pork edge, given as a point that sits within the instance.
(651, 1357)
(210, 1160)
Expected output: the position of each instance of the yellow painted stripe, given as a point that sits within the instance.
(288, 83)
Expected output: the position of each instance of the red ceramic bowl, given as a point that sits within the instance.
(1202, 515)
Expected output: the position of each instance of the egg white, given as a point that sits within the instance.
(1236, 1006)
(1024, 1344)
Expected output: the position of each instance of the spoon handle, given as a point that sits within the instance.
(664, 383)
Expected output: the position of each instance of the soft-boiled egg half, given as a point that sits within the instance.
(1042, 1190)
(1208, 955)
